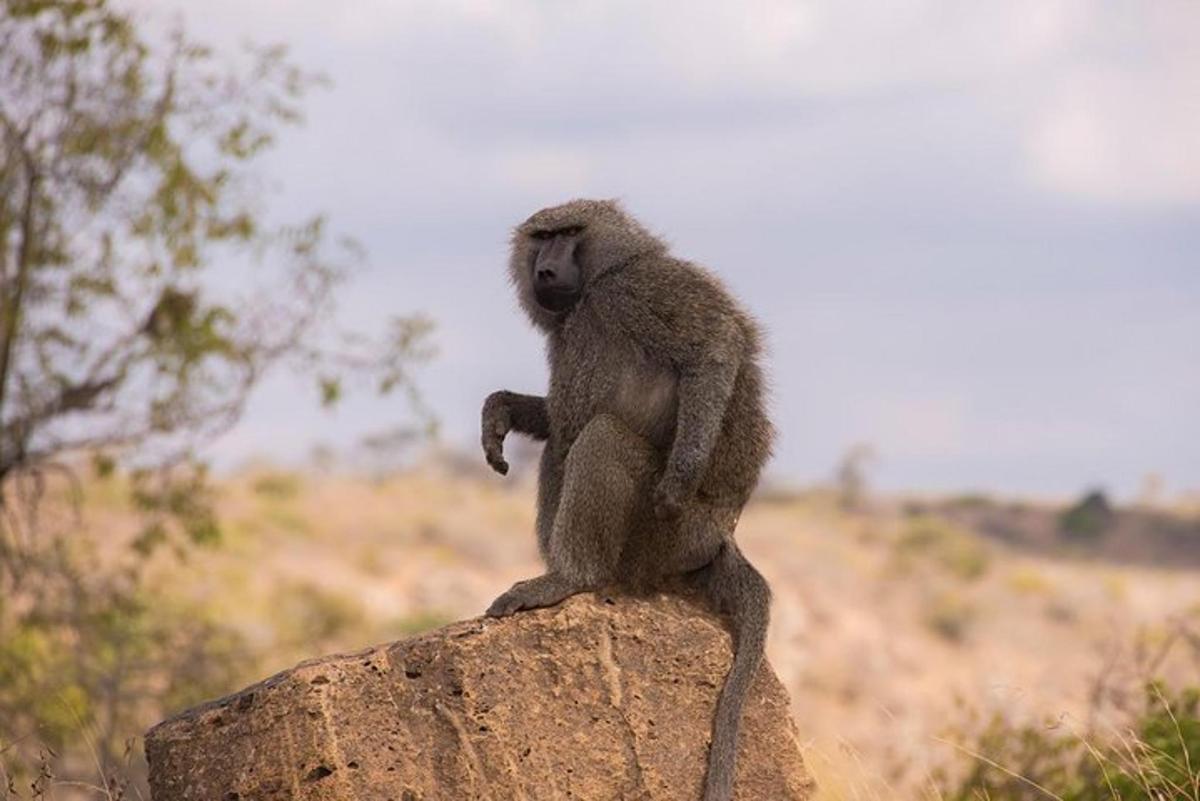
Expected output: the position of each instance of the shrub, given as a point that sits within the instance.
(955, 550)
(278, 486)
(950, 616)
(1029, 581)
(1087, 520)
(1157, 758)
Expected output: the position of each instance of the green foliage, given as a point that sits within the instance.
(1155, 759)
(103, 465)
(181, 500)
(331, 391)
(127, 181)
(1088, 520)
(100, 655)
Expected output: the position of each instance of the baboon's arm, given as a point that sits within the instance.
(506, 411)
(527, 413)
(677, 318)
(704, 390)
(530, 417)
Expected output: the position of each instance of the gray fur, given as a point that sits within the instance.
(655, 434)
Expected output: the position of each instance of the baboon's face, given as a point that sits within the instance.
(561, 251)
(554, 267)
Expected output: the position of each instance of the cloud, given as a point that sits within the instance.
(1093, 100)
(919, 426)
(981, 219)
(554, 171)
(1117, 137)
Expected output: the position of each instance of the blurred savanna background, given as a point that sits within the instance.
(252, 295)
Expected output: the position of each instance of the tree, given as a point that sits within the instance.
(850, 477)
(126, 188)
(145, 290)
(1088, 519)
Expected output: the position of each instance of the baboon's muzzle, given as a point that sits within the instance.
(557, 280)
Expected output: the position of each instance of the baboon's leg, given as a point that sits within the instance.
(661, 548)
(550, 475)
(605, 490)
(606, 483)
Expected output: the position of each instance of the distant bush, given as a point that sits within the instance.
(1028, 581)
(851, 477)
(278, 486)
(106, 659)
(1157, 758)
(1087, 520)
(950, 616)
(971, 500)
(954, 549)
(312, 619)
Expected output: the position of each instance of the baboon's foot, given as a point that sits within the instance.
(534, 593)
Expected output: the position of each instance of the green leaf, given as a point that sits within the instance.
(331, 391)
(152, 535)
(103, 465)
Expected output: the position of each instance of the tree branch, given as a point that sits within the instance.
(11, 321)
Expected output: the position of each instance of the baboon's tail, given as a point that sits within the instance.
(737, 590)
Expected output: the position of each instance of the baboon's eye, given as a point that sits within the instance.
(543, 234)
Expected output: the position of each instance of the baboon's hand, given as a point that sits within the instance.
(668, 499)
(497, 422)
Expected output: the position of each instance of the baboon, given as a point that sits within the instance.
(654, 429)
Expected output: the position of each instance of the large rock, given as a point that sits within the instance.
(598, 698)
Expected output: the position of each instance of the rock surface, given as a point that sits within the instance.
(602, 697)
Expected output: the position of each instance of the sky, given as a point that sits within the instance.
(971, 230)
